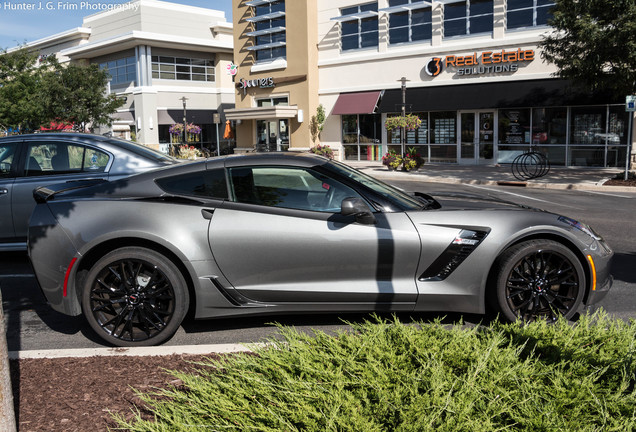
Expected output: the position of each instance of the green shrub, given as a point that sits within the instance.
(388, 376)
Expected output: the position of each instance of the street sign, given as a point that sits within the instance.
(630, 103)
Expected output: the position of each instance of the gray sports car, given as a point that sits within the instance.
(297, 233)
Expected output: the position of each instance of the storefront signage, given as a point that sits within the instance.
(486, 62)
(268, 82)
(261, 83)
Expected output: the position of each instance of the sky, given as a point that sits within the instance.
(29, 20)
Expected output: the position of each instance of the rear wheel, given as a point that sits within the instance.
(134, 297)
(539, 279)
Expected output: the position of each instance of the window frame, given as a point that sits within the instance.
(415, 7)
(363, 13)
(70, 171)
(468, 19)
(119, 73)
(185, 68)
(270, 40)
(326, 182)
(535, 8)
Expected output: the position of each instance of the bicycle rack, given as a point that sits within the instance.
(530, 165)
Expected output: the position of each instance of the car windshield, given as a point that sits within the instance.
(143, 151)
(402, 200)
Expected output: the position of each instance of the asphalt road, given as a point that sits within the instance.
(32, 325)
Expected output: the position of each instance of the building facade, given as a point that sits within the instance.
(471, 70)
(167, 60)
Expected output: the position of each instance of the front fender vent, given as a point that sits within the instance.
(455, 254)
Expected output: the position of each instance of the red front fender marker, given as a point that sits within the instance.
(66, 276)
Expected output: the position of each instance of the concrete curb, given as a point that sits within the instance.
(414, 176)
(133, 352)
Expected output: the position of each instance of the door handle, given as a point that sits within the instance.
(4, 191)
(207, 213)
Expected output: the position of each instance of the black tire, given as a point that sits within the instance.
(134, 297)
(538, 279)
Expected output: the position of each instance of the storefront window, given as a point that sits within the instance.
(617, 128)
(514, 126)
(588, 125)
(361, 136)
(444, 127)
(549, 125)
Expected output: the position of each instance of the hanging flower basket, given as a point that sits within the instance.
(410, 122)
(193, 132)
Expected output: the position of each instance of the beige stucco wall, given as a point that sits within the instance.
(302, 63)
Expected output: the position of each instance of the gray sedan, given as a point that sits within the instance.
(298, 233)
(29, 161)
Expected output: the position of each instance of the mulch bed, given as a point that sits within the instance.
(616, 182)
(79, 394)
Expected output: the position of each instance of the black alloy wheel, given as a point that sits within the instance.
(539, 279)
(134, 297)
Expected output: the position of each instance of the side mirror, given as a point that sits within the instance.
(358, 208)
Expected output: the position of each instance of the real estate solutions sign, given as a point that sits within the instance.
(484, 63)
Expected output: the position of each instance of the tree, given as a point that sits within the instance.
(20, 91)
(593, 44)
(34, 93)
(76, 94)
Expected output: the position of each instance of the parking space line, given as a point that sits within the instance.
(523, 196)
(609, 194)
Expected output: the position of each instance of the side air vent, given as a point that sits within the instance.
(455, 254)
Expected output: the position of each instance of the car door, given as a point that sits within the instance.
(8, 163)
(282, 241)
(48, 162)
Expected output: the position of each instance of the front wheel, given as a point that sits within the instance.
(538, 279)
(134, 297)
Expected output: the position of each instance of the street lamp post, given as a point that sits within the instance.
(183, 138)
(403, 80)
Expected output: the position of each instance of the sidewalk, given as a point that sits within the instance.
(582, 178)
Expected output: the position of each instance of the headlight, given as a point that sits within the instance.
(581, 227)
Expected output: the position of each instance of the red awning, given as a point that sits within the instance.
(357, 103)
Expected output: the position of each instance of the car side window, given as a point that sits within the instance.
(289, 187)
(64, 158)
(6, 158)
(207, 183)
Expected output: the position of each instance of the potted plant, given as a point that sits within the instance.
(419, 160)
(392, 160)
(322, 150)
(408, 162)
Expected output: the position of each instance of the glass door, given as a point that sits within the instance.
(486, 149)
(273, 135)
(477, 137)
(467, 138)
